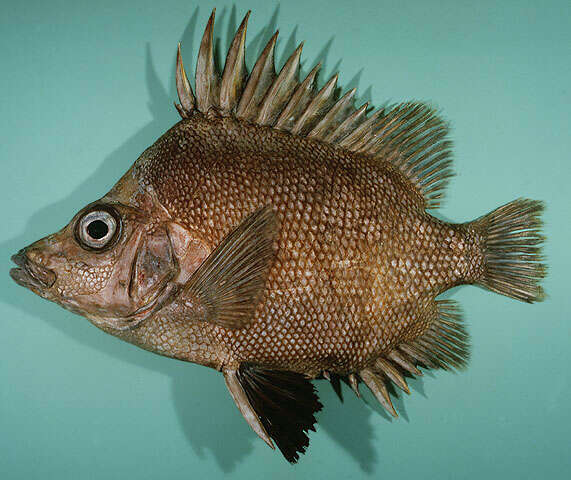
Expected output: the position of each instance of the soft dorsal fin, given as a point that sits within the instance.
(411, 136)
(229, 283)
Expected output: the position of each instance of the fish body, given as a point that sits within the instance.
(279, 234)
(358, 260)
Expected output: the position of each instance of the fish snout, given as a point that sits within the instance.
(30, 272)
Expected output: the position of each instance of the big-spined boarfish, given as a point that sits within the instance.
(279, 234)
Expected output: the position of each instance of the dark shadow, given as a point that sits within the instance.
(208, 416)
(366, 96)
(284, 51)
(256, 46)
(348, 423)
(205, 410)
(321, 57)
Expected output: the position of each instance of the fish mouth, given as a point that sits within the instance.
(31, 274)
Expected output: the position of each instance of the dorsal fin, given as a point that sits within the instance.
(280, 91)
(263, 75)
(234, 70)
(207, 77)
(298, 101)
(409, 135)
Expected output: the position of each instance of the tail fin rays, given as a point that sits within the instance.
(512, 245)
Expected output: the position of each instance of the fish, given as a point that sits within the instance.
(281, 234)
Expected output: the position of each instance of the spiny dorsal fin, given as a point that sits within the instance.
(235, 72)
(280, 91)
(183, 88)
(263, 75)
(410, 135)
(207, 77)
(314, 111)
(298, 101)
(354, 120)
(333, 118)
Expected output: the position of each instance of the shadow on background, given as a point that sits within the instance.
(195, 390)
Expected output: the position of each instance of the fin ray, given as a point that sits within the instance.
(285, 404)
(207, 78)
(512, 246)
(280, 91)
(410, 135)
(230, 282)
(235, 71)
(443, 345)
(262, 77)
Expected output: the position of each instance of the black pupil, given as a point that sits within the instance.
(97, 229)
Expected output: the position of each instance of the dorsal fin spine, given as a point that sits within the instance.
(184, 90)
(349, 124)
(262, 76)
(319, 104)
(299, 101)
(278, 94)
(335, 116)
(357, 135)
(234, 70)
(207, 78)
(410, 135)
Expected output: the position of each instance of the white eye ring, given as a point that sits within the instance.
(97, 229)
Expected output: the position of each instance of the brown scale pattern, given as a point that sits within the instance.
(87, 279)
(358, 260)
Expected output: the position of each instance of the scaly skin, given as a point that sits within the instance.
(359, 262)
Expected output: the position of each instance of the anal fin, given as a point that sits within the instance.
(444, 345)
(278, 405)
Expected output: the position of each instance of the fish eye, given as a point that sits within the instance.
(97, 228)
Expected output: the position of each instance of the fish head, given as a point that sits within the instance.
(114, 263)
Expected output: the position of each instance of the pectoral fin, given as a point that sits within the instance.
(229, 284)
(278, 405)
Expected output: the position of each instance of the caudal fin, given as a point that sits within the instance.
(511, 247)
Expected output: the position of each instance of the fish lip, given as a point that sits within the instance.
(30, 274)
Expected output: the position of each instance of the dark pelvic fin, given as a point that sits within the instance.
(230, 282)
(410, 136)
(277, 404)
(511, 246)
(443, 345)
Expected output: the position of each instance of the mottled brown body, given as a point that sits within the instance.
(279, 233)
(358, 261)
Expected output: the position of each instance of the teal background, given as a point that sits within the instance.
(86, 86)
